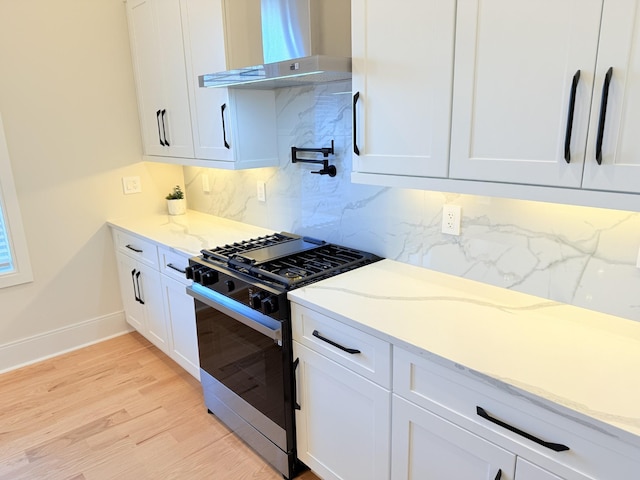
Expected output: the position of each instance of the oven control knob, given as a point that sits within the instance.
(188, 272)
(197, 274)
(270, 305)
(255, 300)
(230, 285)
(210, 277)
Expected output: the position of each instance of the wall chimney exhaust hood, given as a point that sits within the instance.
(282, 43)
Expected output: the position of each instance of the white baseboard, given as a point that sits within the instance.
(56, 342)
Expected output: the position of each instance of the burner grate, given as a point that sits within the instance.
(322, 262)
(225, 252)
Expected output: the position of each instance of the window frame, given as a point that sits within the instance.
(16, 238)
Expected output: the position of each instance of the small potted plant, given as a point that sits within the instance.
(176, 204)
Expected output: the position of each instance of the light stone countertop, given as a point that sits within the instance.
(553, 353)
(586, 362)
(191, 232)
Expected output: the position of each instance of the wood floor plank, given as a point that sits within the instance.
(120, 410)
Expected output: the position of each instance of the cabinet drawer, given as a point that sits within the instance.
(457, 397)
(136, 247)
(370, 357)
(172, 264)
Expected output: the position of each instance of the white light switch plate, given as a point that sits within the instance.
(131, 185)
(261, 190)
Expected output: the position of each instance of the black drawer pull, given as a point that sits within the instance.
(137, 250)
(296, 405)
(556, 447)
(356, 150)
(352, 351)
(224, 128)
(133, 279)
(603, 114)
(173, 267)
(572, 108)
(159, 133)
(164, 129)
(498, 475)
(140, 300)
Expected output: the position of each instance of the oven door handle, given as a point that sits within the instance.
(250, 317)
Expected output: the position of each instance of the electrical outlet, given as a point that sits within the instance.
(638, 260)
(205, 184)
(451, 219)
(131, 185)
(261, 190)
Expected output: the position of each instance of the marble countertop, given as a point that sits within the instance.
(189, 233)
(583, 360)
(563, 355)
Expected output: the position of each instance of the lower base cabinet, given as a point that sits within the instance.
(156, 304)
(142, 299)
(428, 447)
(528, 471)
(181, 319)
(343, 425)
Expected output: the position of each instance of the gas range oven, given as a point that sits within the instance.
(244, 332)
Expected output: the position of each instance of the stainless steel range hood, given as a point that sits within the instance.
(282, 43)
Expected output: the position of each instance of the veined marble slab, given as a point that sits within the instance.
(191, 232)
(553, 353)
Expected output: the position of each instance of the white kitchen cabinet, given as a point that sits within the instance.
(343, 424)
(619, 50)
(428, 447)
(402, 82)
(142, 300)
(179, 311)
(546, 443)
(528, 471)
(153, 289)
(515, 65)
(155, 33)
(234, 128)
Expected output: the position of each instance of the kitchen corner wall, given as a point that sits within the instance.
(577, 255)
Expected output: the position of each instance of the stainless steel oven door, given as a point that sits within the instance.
(242, 366)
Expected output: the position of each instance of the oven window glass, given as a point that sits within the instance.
(245, 361)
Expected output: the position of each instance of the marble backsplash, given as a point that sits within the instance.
(577, 255)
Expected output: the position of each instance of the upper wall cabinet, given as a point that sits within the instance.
(522, 90)
(613, 150)
(158, 59)
(402, 77)
(234, 128)
(544, 93)
(172, 42)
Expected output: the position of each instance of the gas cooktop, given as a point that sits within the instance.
(286, 259)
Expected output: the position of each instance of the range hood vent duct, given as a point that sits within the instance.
(283, 43)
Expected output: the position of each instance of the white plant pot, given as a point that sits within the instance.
(177, 207)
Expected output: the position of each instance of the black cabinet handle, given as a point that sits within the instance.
(139, 291)
(352, 351)
(172, 266)
(224, 128)
(135, 290)
(164, 131)
(296, 405)
(556, 447)
(498, 475)
(158, 122)
(572, 107)
(137, 250)
(603, 114)
(356, 150)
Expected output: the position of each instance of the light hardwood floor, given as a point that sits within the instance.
(119, 409)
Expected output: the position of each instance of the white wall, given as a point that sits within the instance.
(68, 103)
(577, 255)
